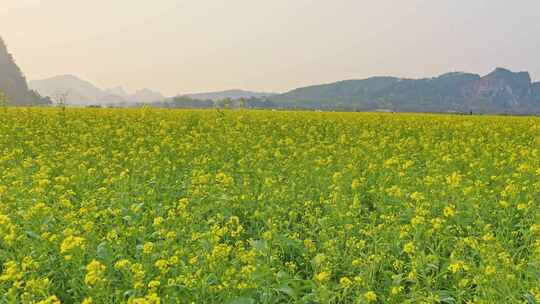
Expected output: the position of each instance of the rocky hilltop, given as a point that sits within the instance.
(13, 83)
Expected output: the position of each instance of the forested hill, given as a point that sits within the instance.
(500, 91)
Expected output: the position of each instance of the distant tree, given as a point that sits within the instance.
(227, 102)
(61, 99)
(242, 102)
(187, 102)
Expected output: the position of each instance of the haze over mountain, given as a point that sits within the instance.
(13, 83)
(501, 91)
(267, 46)
(82, 92)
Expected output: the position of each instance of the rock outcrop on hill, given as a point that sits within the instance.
(13, 83)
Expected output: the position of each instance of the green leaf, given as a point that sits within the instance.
(32, 235)
(530, 298)
(287, 290)
(103, 251)
(212, 279)
(259, 245)
(448, 300)
(129, 293)
(242, 300)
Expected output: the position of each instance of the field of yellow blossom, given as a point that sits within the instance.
(243, 207)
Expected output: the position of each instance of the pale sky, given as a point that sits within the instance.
(177, 46)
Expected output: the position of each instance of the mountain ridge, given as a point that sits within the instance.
(82, 92)
(499, 91)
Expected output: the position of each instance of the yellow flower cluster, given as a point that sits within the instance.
(95, 273)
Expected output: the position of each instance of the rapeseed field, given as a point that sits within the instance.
(166, 206)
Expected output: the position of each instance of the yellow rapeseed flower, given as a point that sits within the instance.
(323, 276)
(370, 296)
(409, 248)
(449, 211)
(148, 247)
(50, 300)
(71, 242)
(345, 282)
(95, 273)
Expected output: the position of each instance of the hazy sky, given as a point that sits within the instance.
(186, 46)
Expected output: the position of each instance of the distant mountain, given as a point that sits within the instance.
(82, 92)
(13, 83)
(535, 92)
(500, 91)
(78, 91)
(146, 96)
(231, 94)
